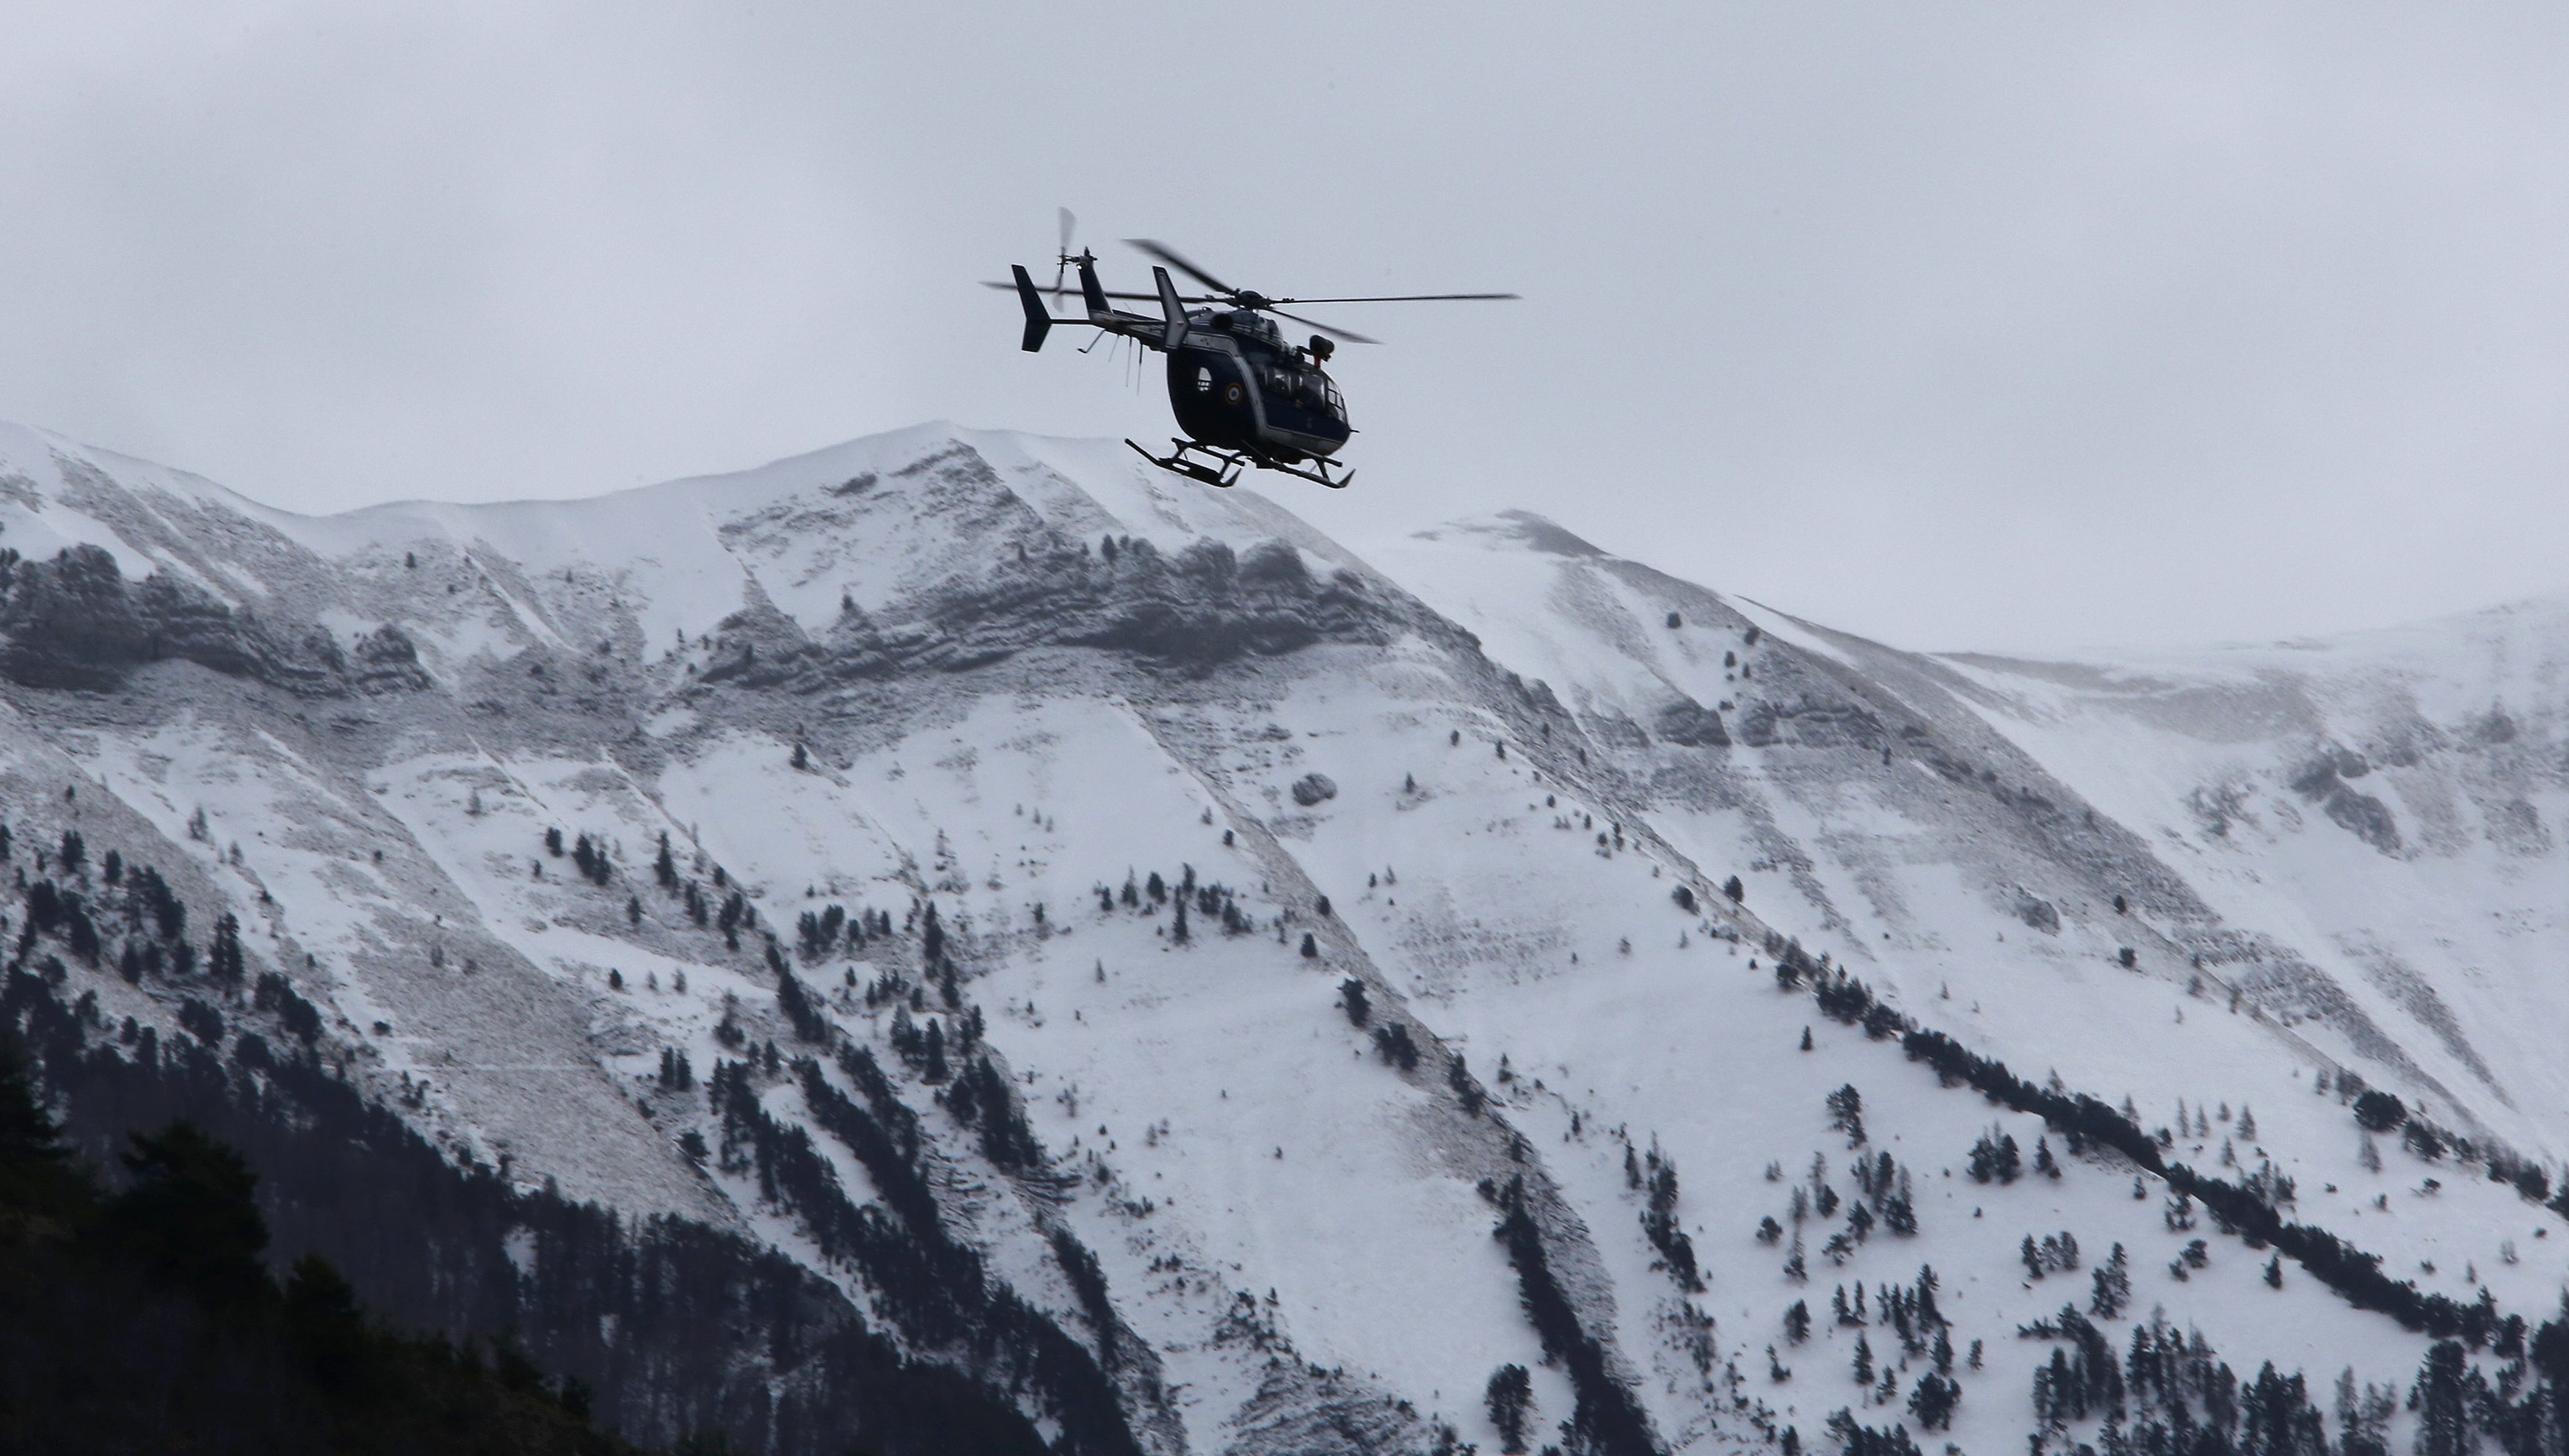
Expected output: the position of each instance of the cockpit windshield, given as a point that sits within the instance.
(1318, 393)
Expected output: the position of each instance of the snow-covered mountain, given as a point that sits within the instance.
(1213, 934)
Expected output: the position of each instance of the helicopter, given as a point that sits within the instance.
(1243, 393)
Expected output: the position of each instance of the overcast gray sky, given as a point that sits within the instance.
(2017, 326)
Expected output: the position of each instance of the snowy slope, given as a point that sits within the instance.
(1489, 777)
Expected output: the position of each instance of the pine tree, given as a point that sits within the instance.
(1863, 1360)
(37, 1174)
(188, 1218)
(1509, 1393)
(323, 1318)
(1351, 997)
(931, 936)
(1797, 1322)
(2441, 1398)
(223, 960)
(2113, 1285)
(1391, 1042)
(1846, 1114)
(1934, 1400)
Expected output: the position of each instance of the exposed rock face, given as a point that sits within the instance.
(987, 683)
(2358, 813)
(1809, 722)
(1690, 724)
(1203, 608)
(1195, 612)
(76, 623)
(385, 660)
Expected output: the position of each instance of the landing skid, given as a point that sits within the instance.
(1223, 467)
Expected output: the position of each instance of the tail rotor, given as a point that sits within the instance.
(1061, 270)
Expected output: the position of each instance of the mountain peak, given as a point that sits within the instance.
(957, 808)
(1512, 527)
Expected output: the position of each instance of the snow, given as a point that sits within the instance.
(1501, 875)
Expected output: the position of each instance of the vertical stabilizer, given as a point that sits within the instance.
(1174, 330)
(1091, 292)
(1038, 322)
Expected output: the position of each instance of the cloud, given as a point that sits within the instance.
(1994, 325)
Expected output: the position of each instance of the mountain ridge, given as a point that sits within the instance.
(1498, 781)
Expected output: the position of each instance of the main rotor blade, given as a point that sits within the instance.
(1133, 297)
(1175, 259)
(1350, 335)
(1406, 298)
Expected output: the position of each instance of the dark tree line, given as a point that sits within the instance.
(1605, 1418)
(1657, 1177)
(142, 1315)
(2170, 1395)
(2080, 1119)
(675, 1327)
(2526, 1411)
(672, 1327)
(938, 1290)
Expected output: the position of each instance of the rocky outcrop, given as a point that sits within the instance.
(2322, 780)
(1810, 722)
(385, 660)
(76, 621)
(1192, 613)
(1690, 724)
(1201, 608)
